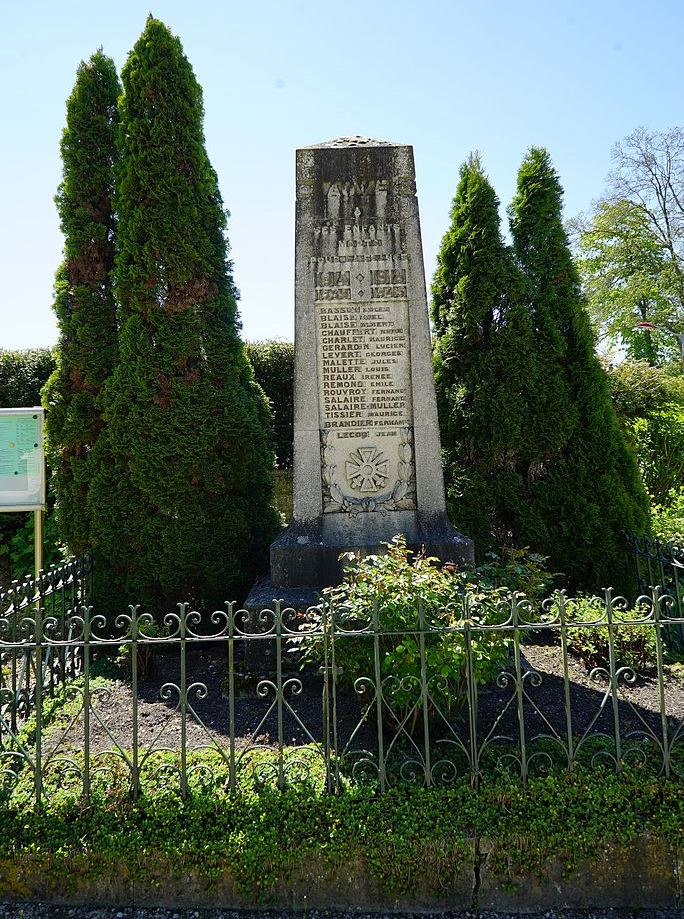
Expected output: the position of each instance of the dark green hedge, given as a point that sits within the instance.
(22, 376)
(273, 363)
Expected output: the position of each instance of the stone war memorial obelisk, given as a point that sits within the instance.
(367, 462)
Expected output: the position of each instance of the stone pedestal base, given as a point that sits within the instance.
(306, 557)
(260, 652)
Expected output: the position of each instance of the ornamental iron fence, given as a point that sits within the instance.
(655, 561)
(341, 696)
(54, 596)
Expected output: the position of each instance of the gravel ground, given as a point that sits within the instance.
(45, 911)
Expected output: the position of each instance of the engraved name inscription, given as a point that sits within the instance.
(364, 365)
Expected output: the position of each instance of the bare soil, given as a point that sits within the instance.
(207, 724)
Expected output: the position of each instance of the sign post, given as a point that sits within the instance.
(22, 469)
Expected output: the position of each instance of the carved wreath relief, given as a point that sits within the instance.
(366, 471)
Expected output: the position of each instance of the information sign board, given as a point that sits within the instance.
(22, 462)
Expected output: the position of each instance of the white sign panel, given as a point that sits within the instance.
(22, 464)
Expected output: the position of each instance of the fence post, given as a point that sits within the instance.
(566, 678)
(613, 680)
(135, 765)
(519, 689)
(424, 690)
(38, 637)
(655, 599)
(279, 690)
(231, 693)
(471, 692)
(378, 694)
(326, 697)
(86, 611)
(183, 698)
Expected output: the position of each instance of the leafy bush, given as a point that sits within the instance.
(519, 570)
(667, 519)
(635, 645)
(383, 592)
(650, 404)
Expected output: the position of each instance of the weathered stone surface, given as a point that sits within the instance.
(367, 463)
(644, 875)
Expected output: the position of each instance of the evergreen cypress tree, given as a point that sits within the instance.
(486, 370)
(181, 499)
(587, 487)
(84, 300)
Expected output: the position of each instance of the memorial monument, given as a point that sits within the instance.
(367, 462)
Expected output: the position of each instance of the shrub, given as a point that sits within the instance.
(586, 491)
(533, 451)
(635, 645)
(182, 487)
(84, 295)
(22, 376)
(383, 592)
(667, 519)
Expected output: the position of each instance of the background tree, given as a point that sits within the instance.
(632, 247)
(84, 298)
(181, 499)
(623, 270)
(588, 490)
(650, 405)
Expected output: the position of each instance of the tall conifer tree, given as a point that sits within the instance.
(485, 368)
(587, 488)
(84, 300)
(182, 496)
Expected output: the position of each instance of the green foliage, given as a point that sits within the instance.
(23, 375)
(587, 490)
(667, 519)
(534, 455)
(21, 551)
(634, 645)
(273, 363)
(486, 370)
(650, 406)
(405, 834)
(84, 298)
(632, 250)
(626, 278)
(518, 570)
(386, 592)
(183, 469)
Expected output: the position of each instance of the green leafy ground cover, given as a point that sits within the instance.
(261, 835)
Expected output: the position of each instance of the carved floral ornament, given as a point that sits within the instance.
(366, 471)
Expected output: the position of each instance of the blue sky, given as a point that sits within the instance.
(444, 75)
